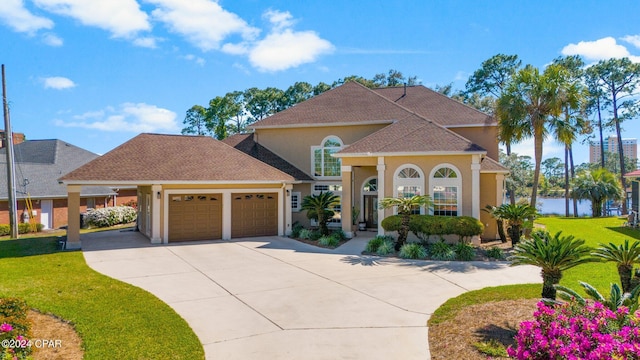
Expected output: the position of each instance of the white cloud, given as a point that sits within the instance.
(633, 40)
(204, 23)
(52, 39)
(284, 48)
(198, 60)
(123, 18)
(602, 49)
(550, 149)
(16, 16)
(148, 42)
(58, 83)
(129, 117)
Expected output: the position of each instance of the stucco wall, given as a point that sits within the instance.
(486, 136)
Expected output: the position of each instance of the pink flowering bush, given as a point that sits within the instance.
(573, 331)
(13, 347)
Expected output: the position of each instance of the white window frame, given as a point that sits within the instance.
(321, 147)
(417, 182)
(298, 196)
(447, 182)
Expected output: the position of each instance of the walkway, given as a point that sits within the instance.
(276, 298)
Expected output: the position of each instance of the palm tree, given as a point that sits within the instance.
(528, 104)
(405, 207)
(492, 210)
(319, 207)
(625, 256)
(515, 215)
(598, 186)
(617, 297)
(553, 254)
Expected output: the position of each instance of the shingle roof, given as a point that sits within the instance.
(349, 103)
(435, 106)
(170, 158)
(39, 164)
(246, 144)
(635, 173)
(491, 166)
(413, 134)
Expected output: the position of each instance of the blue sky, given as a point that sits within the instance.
(96, 73)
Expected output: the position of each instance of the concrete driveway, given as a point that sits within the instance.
(276, 298)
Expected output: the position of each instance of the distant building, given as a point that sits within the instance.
(629, 148)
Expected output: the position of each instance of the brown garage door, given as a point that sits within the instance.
(195, 217)
(254, 214)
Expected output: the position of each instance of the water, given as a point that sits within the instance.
(557, 206)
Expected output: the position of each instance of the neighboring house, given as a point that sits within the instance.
(634, 178)
(38, 165)
(359, 143)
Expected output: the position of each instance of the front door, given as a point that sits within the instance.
(371, 210)
(46, 213)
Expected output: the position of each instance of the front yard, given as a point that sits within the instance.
(114, 320)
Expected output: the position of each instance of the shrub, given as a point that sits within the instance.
(23, 228)
(305, 234)
(387, 247)
(442, 251)
(392, 223)
(425, 226)
(315, 235)
(295, 230)
(466, 226)
(412, 251)
(329, 241)
(573, 331)
(464, 251)
(14, 326)
(111, 216)
(491, 348)
(374, 244)
(495, 253)
(339, 234)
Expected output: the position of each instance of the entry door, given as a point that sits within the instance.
(46, 213)
(371, 210)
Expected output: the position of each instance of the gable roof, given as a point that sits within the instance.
(413, 135)
(39, 164)
(156, 158)
(246, 144)
(435, 106)
(488, 165)
(349, 103)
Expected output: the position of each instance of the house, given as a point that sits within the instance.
(359, 143)
(38, 165)
(634, 178)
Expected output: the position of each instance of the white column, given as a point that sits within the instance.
(346, 205)
(156, 204)
(475, 186)
(287, 209)
(381, 191)
(226, 215)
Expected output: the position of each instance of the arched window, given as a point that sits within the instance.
(409, 181)
(325, 165)
(370, 186)
(446, 185)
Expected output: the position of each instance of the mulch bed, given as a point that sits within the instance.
(52, 329)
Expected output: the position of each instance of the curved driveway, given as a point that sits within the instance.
(276, 298)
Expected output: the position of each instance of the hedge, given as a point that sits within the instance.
(425, 226)
(23, 228)
(111, 216)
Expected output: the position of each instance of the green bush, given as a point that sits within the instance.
(305, 234)
(424, 226)
(387, 247)
(315, 235)
(495, 253)
(374, 244)
(442, 251)
(412, 251)
(23, 228)
(391, 223)
(464, 251)
(340, 235)
(295, 229)
(13, 311)
(329, 241)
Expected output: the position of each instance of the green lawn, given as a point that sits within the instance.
(594, 231)
(115, 320)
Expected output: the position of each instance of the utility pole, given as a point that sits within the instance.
(8, 137)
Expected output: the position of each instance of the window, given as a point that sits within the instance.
(409, 181)
(324, 165)
(371, 186)
(336, 189)
(445, 190)
(296, 201)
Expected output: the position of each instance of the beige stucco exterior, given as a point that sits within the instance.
(485, 136)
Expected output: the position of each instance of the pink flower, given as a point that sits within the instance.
(6, 327)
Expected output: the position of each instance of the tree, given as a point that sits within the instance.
(552, 168)
(297, 93)
(320, 208)
(195, 121)
(515, 215)
(597, 185)
(493, 211)
(405, 207)
(219, 112)
(262, 103)
(526, 107)
(521, 174)
(320, 88)
(553, 255)
(619, 78)
(624, 255)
